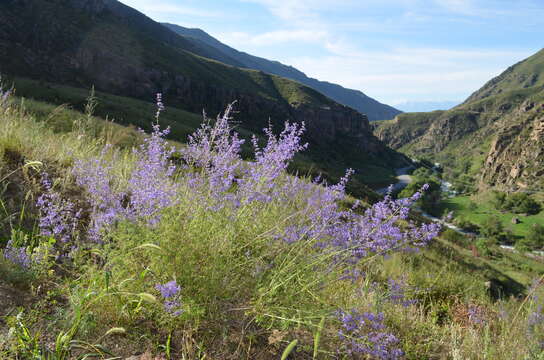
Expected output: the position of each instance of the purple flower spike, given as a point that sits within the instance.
(366, 334)
(170, 293)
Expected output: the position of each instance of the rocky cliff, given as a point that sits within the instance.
(516, 156)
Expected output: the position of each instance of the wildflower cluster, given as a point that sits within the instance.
(170, 294)
(397, 293)
(96, 177)
(17, 255)
(271, 162)
(215, 151)
(150, 186)
(366, 334)
(58, 217)
(218, 178)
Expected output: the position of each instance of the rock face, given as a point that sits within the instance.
(516, 157)
(106, 44)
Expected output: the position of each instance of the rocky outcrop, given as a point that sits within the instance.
(516, 157)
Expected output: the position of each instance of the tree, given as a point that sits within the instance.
(498, 200)
(492, 227)
(517, 203)
(467, 225)
(430, 201)
(534, 239)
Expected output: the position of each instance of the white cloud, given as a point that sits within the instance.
(296, 10)
(275, 37)
(417, 74)
(158, 8)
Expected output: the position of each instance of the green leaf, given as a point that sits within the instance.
(317, 337)
(289, 349)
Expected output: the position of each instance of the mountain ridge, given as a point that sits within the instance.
(495, 138)
(349, 97)
(106, 44)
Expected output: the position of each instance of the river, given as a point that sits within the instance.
(404, 179)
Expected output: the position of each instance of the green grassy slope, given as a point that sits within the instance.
(528, 73)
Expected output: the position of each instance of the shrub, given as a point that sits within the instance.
(467, 225)
(430, 201)
(518, 203)
(534, 239)
(492, 226)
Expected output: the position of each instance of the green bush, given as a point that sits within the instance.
(519, 203)
(467, 225)
(430, 201)
(534, 239)
(492, 227)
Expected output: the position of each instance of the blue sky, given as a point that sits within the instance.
(397, 51)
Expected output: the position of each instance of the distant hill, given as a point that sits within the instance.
(496, 136)
(352, 98)
(421, 106)
(106, 44)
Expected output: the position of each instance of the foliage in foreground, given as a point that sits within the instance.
(192, 253)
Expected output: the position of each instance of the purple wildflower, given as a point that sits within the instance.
(270, 163)
(366, 334)
(17, 255)
(97, 178)
(476, 315)
(170, 294)
(58, 217)
(151, 187)
(215, 150)
(396, 293)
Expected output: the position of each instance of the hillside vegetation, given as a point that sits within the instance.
(116, 244)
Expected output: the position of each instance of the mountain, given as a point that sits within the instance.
(106, 44)
(224, 53)
(424, 106)
(495, 137)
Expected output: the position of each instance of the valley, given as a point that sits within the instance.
(166, 196)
